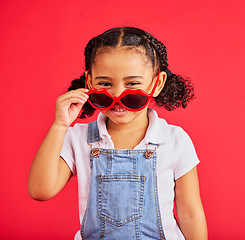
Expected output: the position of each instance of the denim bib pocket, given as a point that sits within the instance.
(120, 198)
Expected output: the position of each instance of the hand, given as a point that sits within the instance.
(69, 105)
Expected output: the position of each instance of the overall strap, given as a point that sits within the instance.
(93, 132)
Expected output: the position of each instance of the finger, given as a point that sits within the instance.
(81, 90)
(76, 106)
(72, 100)
(71, 95)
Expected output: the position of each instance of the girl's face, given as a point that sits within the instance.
(117, 69)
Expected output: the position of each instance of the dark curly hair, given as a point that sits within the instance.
(177, 90)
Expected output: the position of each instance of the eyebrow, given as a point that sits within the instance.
(126, 78)
(102, 78)
(132, 77)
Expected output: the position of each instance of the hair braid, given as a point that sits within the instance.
(177, 91)
(88, 52)
(160, 50)
(88, 110)
(80, 83)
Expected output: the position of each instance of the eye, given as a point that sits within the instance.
(104, 84)
(133, 83)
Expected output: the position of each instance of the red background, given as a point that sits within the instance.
(41, 49)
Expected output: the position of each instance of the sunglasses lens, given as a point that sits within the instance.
(100, 100)
(134, 101)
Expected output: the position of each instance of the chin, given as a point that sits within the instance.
(124, 117)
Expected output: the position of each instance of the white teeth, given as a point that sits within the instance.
(119, 110)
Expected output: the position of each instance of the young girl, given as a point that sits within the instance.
(131, 165)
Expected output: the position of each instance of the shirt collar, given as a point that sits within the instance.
(101, 121)
(157, 132)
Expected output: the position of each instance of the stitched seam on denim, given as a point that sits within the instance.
(99, 196)
(102, 229)
(93, 131)
(135, 164)
(159, 222)
(109, 163)
(119, 151)
(154, 162)
(121, 177)
(142, 191)
(134, 178)
(122, 222)
(94, 135)
(91, 160)
(136, 224)
(83, 224)
(89, 132)
(97, 134)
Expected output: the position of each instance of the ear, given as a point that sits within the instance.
(161, 81)
(89, 79)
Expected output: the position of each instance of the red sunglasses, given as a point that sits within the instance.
(132, 100)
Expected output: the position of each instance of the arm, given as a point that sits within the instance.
(49, 172)
(189, 207)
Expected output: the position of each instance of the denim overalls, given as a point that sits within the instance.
(123, 200)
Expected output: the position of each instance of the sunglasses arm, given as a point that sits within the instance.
(155, 85)
(86, 80)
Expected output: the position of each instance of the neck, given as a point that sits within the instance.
(128, 136)
(140, 123)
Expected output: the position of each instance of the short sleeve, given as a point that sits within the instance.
(67, 152)
(187, 157)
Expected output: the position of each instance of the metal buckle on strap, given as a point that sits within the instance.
(95, 151)
(149, 152)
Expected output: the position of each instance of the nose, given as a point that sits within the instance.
(117, 90)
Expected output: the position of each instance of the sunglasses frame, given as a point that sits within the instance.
(123, 94)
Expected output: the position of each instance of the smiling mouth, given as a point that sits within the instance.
(118, 108)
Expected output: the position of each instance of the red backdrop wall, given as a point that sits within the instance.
(41, 49)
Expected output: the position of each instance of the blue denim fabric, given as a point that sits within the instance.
(123, 199)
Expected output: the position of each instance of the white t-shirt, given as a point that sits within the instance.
(176, 156)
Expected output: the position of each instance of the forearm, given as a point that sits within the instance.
(189, 207)
(194, 227)
(49, 173)
(44, 171)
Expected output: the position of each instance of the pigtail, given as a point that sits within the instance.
(77, 83)
(87, 109)
(177, 91)
(89, 52)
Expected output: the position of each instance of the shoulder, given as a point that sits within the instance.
(177, 132)
(179, 139)
(162, 132)
(78, 131)
(78, 127)
(182, 146)
(75, 139)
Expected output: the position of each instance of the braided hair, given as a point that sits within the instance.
(177, 91)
